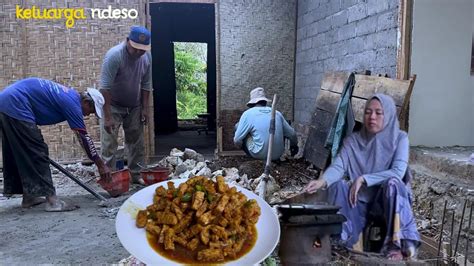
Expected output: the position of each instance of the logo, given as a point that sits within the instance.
(110, 13)
(70, 14)
(141, 37)
(73, 14)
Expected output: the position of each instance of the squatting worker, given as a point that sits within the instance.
(35, 101)
(252, 131)
(126, 86)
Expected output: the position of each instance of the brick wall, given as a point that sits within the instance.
(228, 120)
(72, 57)
(347, 35)
(257, 46)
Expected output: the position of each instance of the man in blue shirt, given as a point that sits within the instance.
(126, 86)
(252, 130)
(26, 104)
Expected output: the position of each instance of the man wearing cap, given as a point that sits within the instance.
(252, 131)
(26, 104)
(126, 85)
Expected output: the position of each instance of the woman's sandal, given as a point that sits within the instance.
(395, 255)
(409, 249)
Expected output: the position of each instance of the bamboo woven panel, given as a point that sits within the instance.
(72, 57)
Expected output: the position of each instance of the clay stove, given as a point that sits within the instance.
(305, 232)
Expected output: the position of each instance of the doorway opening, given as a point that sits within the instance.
(184, 77)
(190, 60)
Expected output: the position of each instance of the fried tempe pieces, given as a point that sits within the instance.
(141, 219)
(201, 213)
(198, 199)
(210, 255)
(166, 218)
(251, 211)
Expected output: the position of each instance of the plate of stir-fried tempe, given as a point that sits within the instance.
(197, 221)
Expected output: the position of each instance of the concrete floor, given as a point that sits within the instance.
(202, 143)
(74, 237)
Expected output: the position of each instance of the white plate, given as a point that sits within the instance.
(134, 239)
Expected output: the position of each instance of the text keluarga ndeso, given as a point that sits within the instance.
(73, 14)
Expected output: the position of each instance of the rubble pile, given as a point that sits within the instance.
(83, 172)
(189, 163)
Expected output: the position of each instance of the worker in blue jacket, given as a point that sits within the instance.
(26, 104)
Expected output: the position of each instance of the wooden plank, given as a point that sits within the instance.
(315, 152)
(405, 21)
(219, 107)
(327, 101)
(149, 132)
(326, 104)
(318, 157)
(366, 86)
(334, 81)
(429, 246)
(219, 140)
(322, 120)
(405, 112)
(358, 106)
(316, 138)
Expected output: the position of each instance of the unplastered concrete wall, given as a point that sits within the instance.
(349, 35)
(73, 57)
(257, 47)
(442, 103)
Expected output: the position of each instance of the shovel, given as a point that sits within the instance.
(77, 180)
(261, 188)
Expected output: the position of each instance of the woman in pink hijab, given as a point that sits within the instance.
(375, 160)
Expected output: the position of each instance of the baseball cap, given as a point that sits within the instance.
(140, 38)
(98, 101)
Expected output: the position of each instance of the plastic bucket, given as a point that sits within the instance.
(118, 184)
(154, 175)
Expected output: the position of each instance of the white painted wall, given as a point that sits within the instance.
(442, 103)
